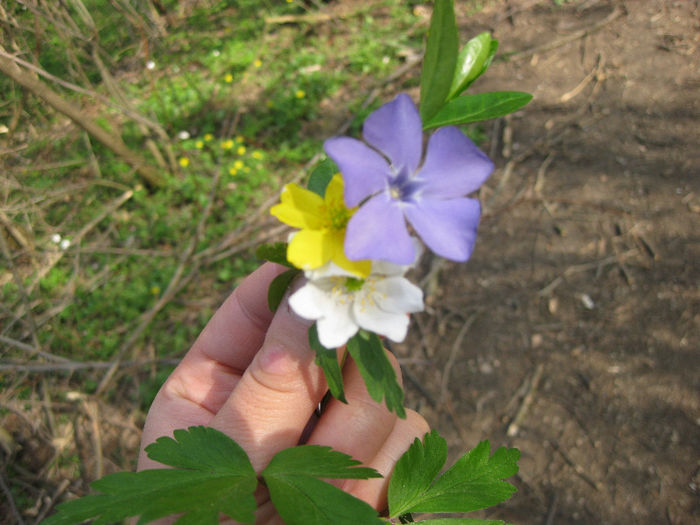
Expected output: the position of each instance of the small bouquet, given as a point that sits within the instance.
(367, 214)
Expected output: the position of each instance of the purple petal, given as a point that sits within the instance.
(453, 166)
(395, 129)
(447, 227)
(378, 231)
(364, 170)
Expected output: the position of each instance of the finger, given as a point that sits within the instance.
(374, 491)
(360, 427)
(205, 377)
(272, 402)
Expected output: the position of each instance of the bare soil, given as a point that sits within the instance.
(573, 332)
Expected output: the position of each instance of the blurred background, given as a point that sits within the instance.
(143, 142)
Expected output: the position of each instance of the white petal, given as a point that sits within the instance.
(310, 302)
(392, 325)
(399, 295)
(337, 326)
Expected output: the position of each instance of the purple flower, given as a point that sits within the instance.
(387, 178)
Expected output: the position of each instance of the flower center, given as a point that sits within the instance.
(336, 214)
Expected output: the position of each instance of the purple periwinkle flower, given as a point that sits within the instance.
(386, 177)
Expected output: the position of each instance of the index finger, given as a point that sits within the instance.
(208, 373)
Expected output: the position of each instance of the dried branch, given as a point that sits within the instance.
(111, 140)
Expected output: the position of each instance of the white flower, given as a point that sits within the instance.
(216, 52)
(183, 135)
(65, 244)
(150, 65)
(56, 238)
(342, 304)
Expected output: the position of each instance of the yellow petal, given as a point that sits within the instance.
(309, 249)
(299, 208)
(359, 268)
(334, 190)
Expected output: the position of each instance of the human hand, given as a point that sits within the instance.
(251, 375)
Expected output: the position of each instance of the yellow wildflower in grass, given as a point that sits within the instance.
(322, 221)
(300, 93)
(184, 162)
(232, 171)
(155, 290)
(257, 155)
(238, 164)
(208, 137)
(241, 150)
(227, 144)
(240, 138)
(199, 144)
(257, 62)
(228, 78)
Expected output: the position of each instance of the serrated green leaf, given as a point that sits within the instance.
(473, 482)
(327, 359)
(321, 176)
(475, 108)
(439, 60)
(214, 477)
(470, 63)
(302, 499)
(415, 471)
(319, 462)
(380, 378)
(278, 287)
(275, 252)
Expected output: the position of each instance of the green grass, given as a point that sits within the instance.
(256, 100)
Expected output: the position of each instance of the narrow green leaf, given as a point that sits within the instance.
(303, 499)
(475, 108)
(278, 287)
(470, 63)
(327, 359)
(321, 176)
(473, 482)
(368, 353)
(415, 472)
(214, 476)
(439, 60)
(275, 252)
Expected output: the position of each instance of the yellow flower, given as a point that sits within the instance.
(322, 221)
(155, 290)
(240, 150)
(238, 164)
(227, 144)
(300, 93)
(232, 171)
(199, 144)
(257, 62)
(240, 138)
(257, 155)
(208, 137)
(184, 162)
(228, 78)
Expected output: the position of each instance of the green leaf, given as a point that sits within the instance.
(475, 108)
(415, 472)
(302, 499)
(321, 176)
(439, 60)
(327, 359)
(379, 376)
(470, 63)
(278, 287)
(214, 477)
(275, 252)
(473, 482)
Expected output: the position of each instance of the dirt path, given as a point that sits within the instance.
(573, 332)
